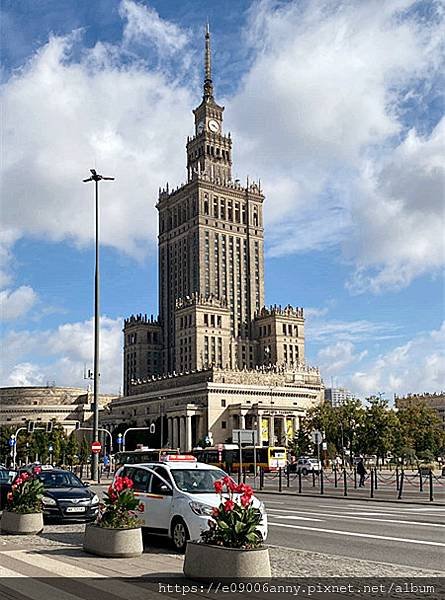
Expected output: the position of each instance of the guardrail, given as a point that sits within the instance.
(398, 484)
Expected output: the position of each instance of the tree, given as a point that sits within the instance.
(302, 443)
(379, 428)
(421, 429)
(71, 449)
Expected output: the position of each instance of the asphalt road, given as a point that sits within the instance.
(402, 534)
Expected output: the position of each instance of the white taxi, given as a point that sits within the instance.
(177, 496)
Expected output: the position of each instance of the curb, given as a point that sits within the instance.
(330, 496)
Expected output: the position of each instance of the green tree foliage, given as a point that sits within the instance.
(421, 430)
(72, 450)
(302, 442)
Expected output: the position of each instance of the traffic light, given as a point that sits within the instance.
(49, 427)
(31, 425)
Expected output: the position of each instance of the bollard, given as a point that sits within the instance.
(313, 478)
(345, 485)
(375, 477)
(287, 477)
(372, 483)
(244, 475)
(299, 482)
(431, 486)
(321, 482)
(355, 478)
(335, 476)
(420, 481)
(261, 478)
(280, 483)
(239, 475)
(397, 479)
(402, 476)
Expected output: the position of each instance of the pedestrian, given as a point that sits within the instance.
(107, 465)
(362, 472)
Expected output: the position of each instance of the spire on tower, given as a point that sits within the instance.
(208, 84)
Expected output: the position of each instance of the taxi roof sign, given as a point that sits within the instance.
(179, 458)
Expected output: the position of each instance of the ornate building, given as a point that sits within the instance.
(212, 317)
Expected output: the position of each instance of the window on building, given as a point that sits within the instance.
(284, 329)
(223, 424)
(223, 402)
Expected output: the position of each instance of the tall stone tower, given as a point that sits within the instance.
(211, 270)
(211, 274)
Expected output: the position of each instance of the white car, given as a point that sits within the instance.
(177, 496)
(307, 465)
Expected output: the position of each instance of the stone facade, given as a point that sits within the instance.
(67, 406)
(212, 313)
(435, 401)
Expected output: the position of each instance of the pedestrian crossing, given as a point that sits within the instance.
(71, 574)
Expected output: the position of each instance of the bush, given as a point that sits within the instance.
(235, 522)
(26, 494)
(120, 505)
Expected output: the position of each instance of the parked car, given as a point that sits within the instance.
(177, 496)
(305, 465)
(6, 478)
(67, 497)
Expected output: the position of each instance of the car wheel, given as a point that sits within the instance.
(304, 471)
(180, 534)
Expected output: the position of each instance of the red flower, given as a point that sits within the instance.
(18, 481)
(218, 485)
(127, 482)
(9, 496)
(229, 482)
(25, 476)
(229, 505)
(37, 470)
(112, 493)
(246, 500)
(215, 512)
(242, 488)
(118, 484)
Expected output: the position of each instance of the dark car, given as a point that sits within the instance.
(6, 478)
(67, 497)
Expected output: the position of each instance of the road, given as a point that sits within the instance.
(404, 534)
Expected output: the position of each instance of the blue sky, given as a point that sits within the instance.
(336, 105)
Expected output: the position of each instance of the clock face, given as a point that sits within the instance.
(213, 125)
(200, 127)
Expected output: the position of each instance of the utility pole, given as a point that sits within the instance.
(95, 459)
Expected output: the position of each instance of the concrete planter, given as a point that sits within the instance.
(113, 543)
(203, 561)
(21, 524)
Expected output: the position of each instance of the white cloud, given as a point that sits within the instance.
(322, 330)
(16, 303)
(145, 26)
(65, 115)
(418, 365)
(334, 358)
(60, 355)
(328, 136)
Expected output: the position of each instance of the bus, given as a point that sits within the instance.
(269, 458)
(140, 456)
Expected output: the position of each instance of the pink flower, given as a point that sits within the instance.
(246, 500)
(9, 496)
(37, 470)
(218, 485)
(25, 476)
(215, 512)
(229, 505)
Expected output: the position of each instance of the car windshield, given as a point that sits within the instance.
(197, 481)
(59, 480)
(6, 476)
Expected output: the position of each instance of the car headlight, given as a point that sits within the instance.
(203, 510)
(48, 501)
(95, 499)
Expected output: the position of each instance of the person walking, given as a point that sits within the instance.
(362, 472)
(107, 465)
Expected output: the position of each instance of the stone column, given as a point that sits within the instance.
(242, 421)
(188, 433)
(169, 432)
(271, 431)
(258, 428)
(175, 441)
(182, 440)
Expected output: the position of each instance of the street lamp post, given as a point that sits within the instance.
(95, 460)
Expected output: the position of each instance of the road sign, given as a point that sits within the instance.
(316, 436)
(220, 448)
(50, 448)
(324, 446)
(11, 441)
(245, 436)
(96, 447)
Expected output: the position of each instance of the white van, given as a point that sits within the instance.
(177, 496)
